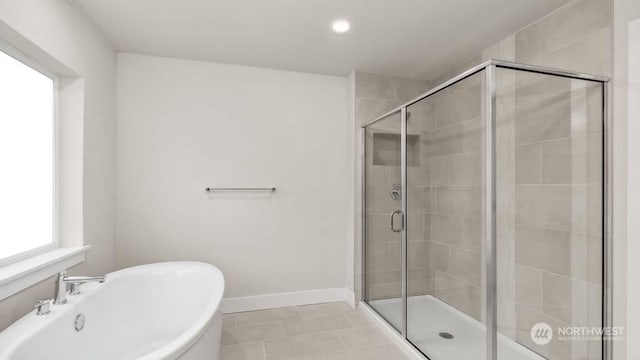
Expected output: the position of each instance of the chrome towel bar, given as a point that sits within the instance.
(272, 189)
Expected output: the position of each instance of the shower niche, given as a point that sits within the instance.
(503, 223)
(385, 145)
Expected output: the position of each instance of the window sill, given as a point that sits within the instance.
(23, 274)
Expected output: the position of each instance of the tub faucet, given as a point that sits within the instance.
(43, 307)
(74, 285)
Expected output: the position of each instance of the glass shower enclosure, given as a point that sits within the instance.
(485, 215)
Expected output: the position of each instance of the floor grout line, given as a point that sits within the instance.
(350, 322)
(341, 341)
(319, 353)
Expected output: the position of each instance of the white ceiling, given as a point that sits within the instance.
(411, 38)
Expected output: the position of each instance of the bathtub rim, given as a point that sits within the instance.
(29, 325)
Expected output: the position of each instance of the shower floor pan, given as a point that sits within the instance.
(432, 322)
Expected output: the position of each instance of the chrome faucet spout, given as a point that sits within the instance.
(74, 285)
(75, 282)
(84, 279)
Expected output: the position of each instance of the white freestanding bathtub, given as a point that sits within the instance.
(151, 312)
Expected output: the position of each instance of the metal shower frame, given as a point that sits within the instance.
(489, 67)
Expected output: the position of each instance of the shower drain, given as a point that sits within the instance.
(446, 335)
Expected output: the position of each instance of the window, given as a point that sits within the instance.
(27, 160)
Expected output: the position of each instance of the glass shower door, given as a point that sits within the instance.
(484, 211)
(383, 219)
(445, 275)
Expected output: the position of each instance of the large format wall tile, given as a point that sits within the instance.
(563, 299)
(562, 207)
(451, 141)
(466, 169)
(543, 118)
(439, 256)
(472, 235)
(457, 103)
(369, 109)
(558, 176)
(529, 286)
(447, 229)
(532, 85)
(419, 198)
(378, 229)
(379, 200)
(417, 254)
(529, 164)
(572, 161)
(446, 140)
(418, 229)
(573, 254)
(373, 86)
(527, 317)
(460, 294)
(465, 265)
(472, 134)
(569, 24)
(544, 249)
(463, 201)
(439, 170)
(590, 55)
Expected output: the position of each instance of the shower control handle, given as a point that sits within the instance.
(393, 215)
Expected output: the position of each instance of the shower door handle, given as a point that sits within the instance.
(393, 215)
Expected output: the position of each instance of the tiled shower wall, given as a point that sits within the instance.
(444, 200)
(375, 95)
(550, 177)
(451, 127)
(549, 251)
(557, 127)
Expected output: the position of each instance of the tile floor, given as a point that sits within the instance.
(332, 331)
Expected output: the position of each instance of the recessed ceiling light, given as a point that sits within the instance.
(341, 26)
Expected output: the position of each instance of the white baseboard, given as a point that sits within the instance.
(350, 297)
(272, 301)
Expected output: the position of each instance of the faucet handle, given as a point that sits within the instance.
(74, 288)
(43, 307)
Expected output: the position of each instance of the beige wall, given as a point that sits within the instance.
(187, 125)
(62, 33)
